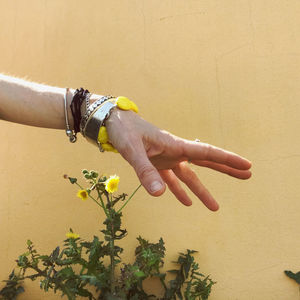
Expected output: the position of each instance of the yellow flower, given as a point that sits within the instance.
(72, 235)
(82, 194)
(111, 184)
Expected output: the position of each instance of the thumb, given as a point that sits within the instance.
(146, 172)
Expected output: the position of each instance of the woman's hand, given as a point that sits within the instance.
(159, 157)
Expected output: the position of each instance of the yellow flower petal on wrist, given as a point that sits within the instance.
(109, 147)
(103, 135)
(123, 103)
(134, 107)
(82, 194)
(112, 183)
(72, 235)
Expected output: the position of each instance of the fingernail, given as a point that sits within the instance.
(155, 186)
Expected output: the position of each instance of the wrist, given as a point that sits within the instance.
(113, 118)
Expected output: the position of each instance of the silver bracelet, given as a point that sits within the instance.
(69, 132)
(96, 120)
(90, 109)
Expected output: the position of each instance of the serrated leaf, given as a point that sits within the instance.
(66, 272)
(43, 257)
(55, 253)
(84, 293)
(295, 276)
(91, 278)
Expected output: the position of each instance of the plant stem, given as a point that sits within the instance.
(111, 246)
(112, 256)
(129, 199)
(163, 283)
(102, 203)
(101, 200)
(112, 267)
(93, 198)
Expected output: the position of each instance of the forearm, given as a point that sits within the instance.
(34, 104)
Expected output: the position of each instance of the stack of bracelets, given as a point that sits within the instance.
(89, 119)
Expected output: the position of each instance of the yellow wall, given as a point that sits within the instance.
(226, 72)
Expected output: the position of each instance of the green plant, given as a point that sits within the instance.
(294, 276)
(80, 264)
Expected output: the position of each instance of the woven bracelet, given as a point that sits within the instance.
(79, 97)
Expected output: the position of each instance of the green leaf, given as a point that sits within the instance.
(72, 180)
(295, 276)
(90, 278)
(84, 293)
(66, 272)
(139, 274)
(43, 257)
(55, 253)
(22, 261)
(96, 250)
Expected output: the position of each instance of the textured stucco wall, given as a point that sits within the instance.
(226, 72)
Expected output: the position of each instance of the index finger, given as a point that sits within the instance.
(202, 151)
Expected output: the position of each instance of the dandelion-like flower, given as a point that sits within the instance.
(111, 184)
(72, 235)
(82, 194)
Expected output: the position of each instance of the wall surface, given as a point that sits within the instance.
(226, 72)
